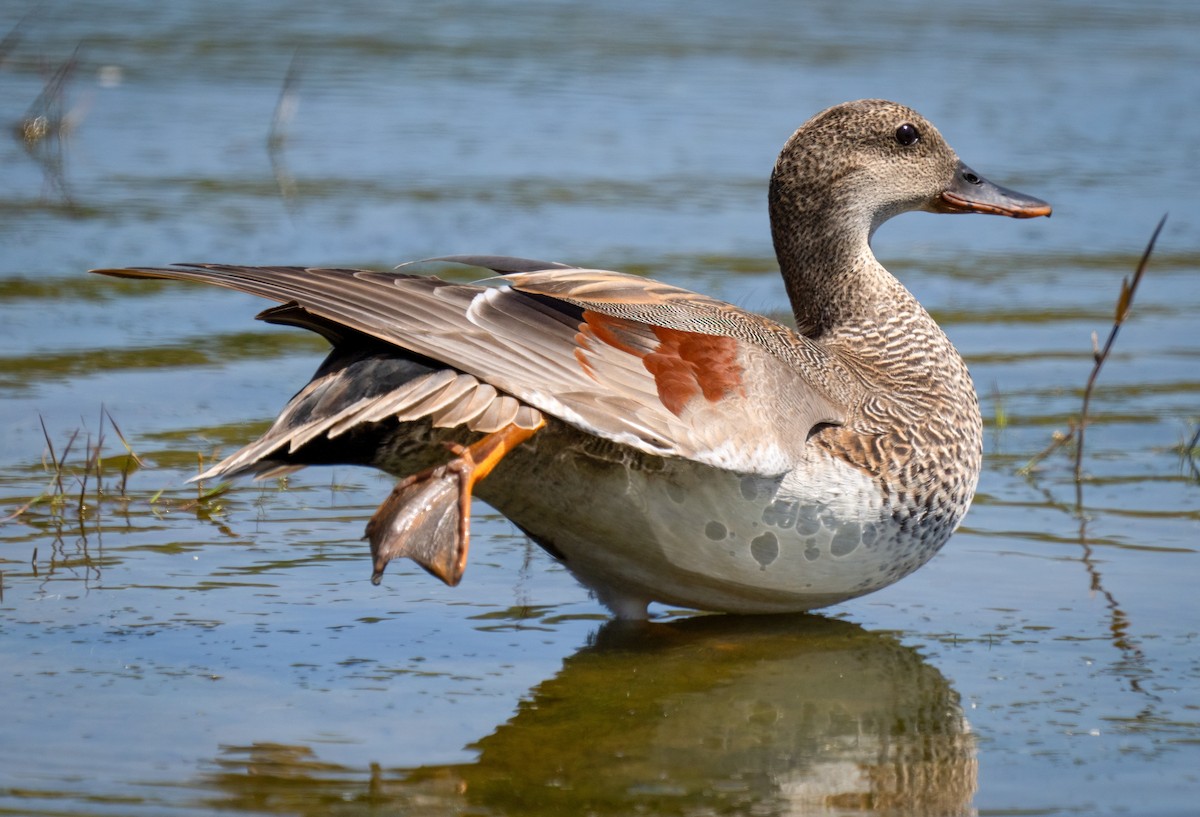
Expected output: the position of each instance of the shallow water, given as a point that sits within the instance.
(164, 651)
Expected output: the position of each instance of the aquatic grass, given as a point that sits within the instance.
(78, 472)
(87, 483)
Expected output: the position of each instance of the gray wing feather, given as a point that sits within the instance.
(525, 349)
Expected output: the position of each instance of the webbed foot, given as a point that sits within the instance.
(427, 516)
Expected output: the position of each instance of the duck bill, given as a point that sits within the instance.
(969, 192)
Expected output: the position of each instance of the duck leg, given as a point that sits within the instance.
(427, 517)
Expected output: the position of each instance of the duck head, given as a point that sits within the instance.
(863, 162)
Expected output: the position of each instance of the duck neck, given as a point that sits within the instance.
(822, 243)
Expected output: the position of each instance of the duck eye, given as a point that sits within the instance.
(907, 134)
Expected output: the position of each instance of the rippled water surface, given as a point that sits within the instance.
(168, 649)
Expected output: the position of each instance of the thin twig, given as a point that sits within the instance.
(1124, 302)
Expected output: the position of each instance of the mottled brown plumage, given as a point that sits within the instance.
(667, 446)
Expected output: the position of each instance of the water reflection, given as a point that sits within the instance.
(700, 716)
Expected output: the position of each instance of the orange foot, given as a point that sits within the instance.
(427, 517)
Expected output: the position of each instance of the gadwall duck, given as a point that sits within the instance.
(664, 445)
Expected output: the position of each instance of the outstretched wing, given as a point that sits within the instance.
(654, 367)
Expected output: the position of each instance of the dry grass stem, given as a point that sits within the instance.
(128, 448)
(1100, 355)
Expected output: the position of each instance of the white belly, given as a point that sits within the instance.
(688, 535)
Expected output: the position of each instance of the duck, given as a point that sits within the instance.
(665, 446)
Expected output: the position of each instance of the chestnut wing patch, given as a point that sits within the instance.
(684, 365)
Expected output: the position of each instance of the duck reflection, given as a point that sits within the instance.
(712, 714)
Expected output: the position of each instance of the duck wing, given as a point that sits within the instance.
(661, 369)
